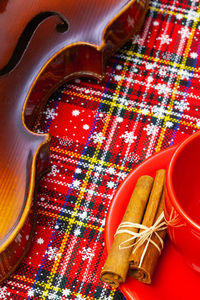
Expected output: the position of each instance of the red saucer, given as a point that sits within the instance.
(173, 280)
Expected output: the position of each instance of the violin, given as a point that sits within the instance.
(44, 44)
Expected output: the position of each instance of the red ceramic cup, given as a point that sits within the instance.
(182, 201)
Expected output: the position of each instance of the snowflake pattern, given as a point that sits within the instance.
(117, 77)
(192, 15)
(129, 137)
(137, 39)
(122, 101)
(77, 232)
(155, 23)
(164, 39)
(75, 112)
(54, 170)
(181, 105)
(193, 55)
(82, 215)
(119, 67)
(66, 292)
(198, 123)
(184, 32)
(40, 241)
(150, 80)
(31, 292)
(52, 296)
(86, 126)
(131, 21)
(110, 184)
(169, 124)
(122, 175)
(159, 111)
(163, 71)
(87, 253)
(149, 66)
(4, 293)
(119, 119)
(65, 141)
(143, 77)
(185, 74)
(151, 129)
(179, 16)
(98, 137)
(163, 89)
(52, 253)
(50, 113)
(111, 170)
(76, 183)
(99, 168)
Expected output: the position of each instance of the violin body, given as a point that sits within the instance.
(43, 45)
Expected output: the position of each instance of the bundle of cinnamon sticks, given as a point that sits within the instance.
(138, 242)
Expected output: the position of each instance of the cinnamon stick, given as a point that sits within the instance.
(117, 263)
(144, 271)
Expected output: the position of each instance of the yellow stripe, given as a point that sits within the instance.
(169, 12)
(93, 161)
(73, 221)
(55, 288)
(176, 86)
(92, 298)
(79, 156)
(165, 62)
(23, 278)
(130, 109)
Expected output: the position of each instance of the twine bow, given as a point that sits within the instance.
(143, 236)
(146, 234)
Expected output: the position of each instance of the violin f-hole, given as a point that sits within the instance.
(26, 36)
(36, 56)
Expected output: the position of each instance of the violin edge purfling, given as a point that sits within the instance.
(63, 62)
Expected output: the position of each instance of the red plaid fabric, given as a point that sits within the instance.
(148, 101)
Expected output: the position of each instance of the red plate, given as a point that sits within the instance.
(173, 280)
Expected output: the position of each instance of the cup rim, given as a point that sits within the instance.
(173, 197)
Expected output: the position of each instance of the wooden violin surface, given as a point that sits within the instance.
(49, 42)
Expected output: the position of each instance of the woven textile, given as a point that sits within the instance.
(148, 101)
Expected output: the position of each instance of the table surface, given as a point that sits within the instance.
(148, 101)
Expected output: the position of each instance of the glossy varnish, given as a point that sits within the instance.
(82, 34)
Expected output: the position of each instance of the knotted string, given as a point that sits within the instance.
(146, 234)
(143, 235)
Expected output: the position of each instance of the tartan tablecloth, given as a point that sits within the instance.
(148, 101)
